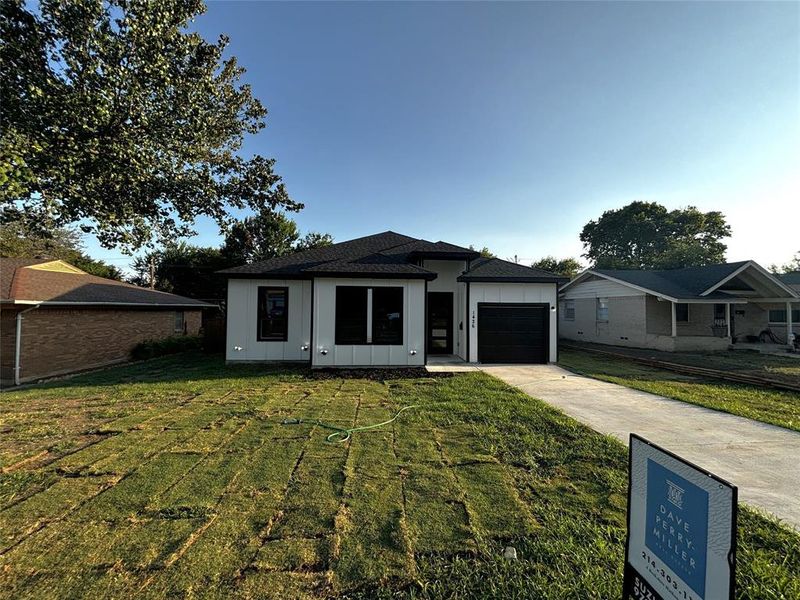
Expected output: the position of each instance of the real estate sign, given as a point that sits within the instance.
(681, 529)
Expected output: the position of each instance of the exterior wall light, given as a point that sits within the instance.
(237, 348)
(412, 352)
(323, 351)
(304, 347)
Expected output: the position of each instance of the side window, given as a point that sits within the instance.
(602, 310)
(682, 312)
(387, 315)
(569, 310)
(273, 312)
(179, 322)
(351, 315)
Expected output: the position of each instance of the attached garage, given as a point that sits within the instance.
(513, 332)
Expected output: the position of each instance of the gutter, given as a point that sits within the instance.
(197, 305)
(18, 342)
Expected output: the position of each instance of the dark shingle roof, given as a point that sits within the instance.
(64, 283)
(495, 269)
(687, 283)
(9, 266)
(386, 254)
(791, 279)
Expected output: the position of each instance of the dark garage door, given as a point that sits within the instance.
(513, 333)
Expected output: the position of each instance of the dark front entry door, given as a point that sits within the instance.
(440, 322)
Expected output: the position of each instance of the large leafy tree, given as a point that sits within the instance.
(25, 235)
(115, 116)
(568, 267)
(484, 252)
(645, 235)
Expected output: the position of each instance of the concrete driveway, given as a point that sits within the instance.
(762, 460)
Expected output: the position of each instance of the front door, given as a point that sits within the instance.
(440, 322)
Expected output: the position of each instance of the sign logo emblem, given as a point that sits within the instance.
(674, 494)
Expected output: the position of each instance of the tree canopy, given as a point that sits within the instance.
(32, 236)
(789, 267)
(484, 252)
(568, 267)
(183, 269)
(117, 117)
(645, 235)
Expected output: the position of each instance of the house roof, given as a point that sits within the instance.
(690, 283)
(34, 281)
(387, 254)
(791, 279)
(496, 269)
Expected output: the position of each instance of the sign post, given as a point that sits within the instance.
(681, 529)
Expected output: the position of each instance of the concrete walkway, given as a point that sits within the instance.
(762, 460)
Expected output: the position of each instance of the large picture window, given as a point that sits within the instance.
(273, 312)
(367, 315)
(387, 315)
(351, 315)
(777, 316)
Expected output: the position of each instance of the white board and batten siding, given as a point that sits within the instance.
(600, 288)
(534, 293)
(368, 354)
(242, 310)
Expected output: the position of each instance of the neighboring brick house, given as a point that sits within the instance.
(56, 319)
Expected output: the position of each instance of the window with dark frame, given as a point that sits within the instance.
(682, 312)
(273, 312)
(387, 316)
(351, 315)
(353, 325)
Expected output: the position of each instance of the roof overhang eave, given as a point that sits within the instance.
(479, 279)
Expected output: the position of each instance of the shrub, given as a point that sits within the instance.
(169, 345)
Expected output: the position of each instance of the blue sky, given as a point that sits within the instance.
(513, 124)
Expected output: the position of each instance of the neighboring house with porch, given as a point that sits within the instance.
(390, 300)
(56, 319)
(695, 308)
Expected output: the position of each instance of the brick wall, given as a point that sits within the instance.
(57, 341)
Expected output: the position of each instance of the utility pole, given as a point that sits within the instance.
(152, 272)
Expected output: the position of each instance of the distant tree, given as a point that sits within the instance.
(260, 237)
(183, 269)
(118, 116)
(568, 267)
(314, 239)
(26, 235)
(645, 235)
(790, 267)
(484, 252)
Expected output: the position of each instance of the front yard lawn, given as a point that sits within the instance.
(177, 478)
(767, 405)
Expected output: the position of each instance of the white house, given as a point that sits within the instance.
(390, 300)
(695, 308)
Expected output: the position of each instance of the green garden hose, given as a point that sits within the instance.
(341, 434)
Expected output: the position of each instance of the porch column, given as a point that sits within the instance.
(674, 320)
(728, 318)
(789, 325)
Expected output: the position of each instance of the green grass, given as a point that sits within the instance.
(767, 405)
(175, 477)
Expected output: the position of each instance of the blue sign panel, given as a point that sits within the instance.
(677, 524)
